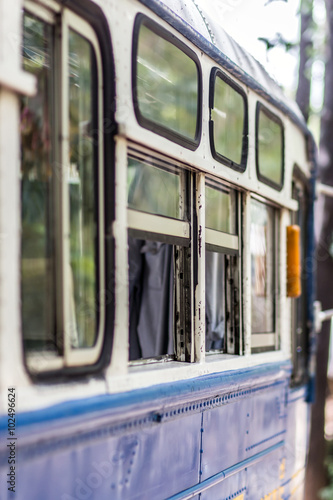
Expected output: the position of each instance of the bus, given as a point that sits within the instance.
(156, 254)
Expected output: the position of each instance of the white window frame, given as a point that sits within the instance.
(44, 360)
(177, 229)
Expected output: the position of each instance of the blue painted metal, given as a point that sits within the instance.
(219, 437)
(151, 462)
(234, 383)
(230, 471)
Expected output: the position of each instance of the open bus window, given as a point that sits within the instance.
(159, 259)
(299, 333)
(263, 275)
(228, 124)
(61, 250)
(166, 84)
(269, 147)
(222, 255)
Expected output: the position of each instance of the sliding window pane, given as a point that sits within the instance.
(269, 148)
(228, 116)
(221, 209)
(262, 267)
(82, 191)
(37, 190)
(153, 190)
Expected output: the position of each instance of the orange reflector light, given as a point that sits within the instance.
(294, 287)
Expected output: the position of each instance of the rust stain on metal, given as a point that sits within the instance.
(200, 240)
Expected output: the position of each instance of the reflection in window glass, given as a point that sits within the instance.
(215, 301)
(220, 209)
(81, 190)
(269, 148)
(228, 117)
(167, 84)
(152, 189)
(37, 183)
(262, 267)
(151, 298)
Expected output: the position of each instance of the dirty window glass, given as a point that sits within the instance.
(262, 267)
(228, 119)
(81, 191)
(153, 189)
(37, 190)
(269, 148)
(167, 84)
(220, 209)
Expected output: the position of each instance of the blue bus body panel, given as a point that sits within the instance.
(254, 423)
(149, 463)
(297, 438)
(226, 435)
(233, 487)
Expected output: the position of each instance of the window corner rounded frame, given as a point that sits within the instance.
(239, 167)
(260, 107)
(148, 124)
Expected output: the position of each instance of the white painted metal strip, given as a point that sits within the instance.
(199, 297)
(221, 239)
(325, 189)
(157, 224)
(40, 11)
(17, 81)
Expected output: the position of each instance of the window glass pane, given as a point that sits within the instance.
(82, 187)
(167, 84)
(262, 267)
(221, 209)
(228, 117)
(151, 298)
(270, 150)
(153, 190)
(37, 183)
(215, 301)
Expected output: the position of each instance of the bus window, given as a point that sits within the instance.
(269, 147)
(228, 124)
(222, 287)
(263, 275)
(81, 190)
(299, 332)
(37, 190)
(159, 259)
(166, 84)
(61, 241)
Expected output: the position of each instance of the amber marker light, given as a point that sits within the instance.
(294, 287)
